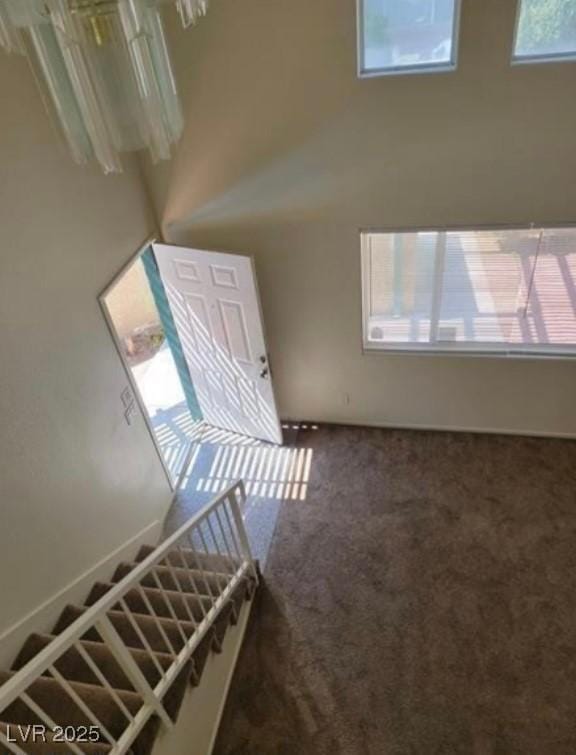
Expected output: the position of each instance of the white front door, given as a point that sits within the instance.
(214, 301)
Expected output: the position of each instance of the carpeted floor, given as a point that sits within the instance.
(420, 601)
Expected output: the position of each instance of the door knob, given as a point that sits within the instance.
(263, 359)
(264, 373)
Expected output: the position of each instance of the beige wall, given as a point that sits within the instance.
(76, 481)
(287, 154)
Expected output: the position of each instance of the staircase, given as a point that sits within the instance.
(116, 669)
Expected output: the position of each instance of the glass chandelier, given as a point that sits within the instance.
(106, 69)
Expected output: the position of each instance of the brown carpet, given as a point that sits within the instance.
(421, 601)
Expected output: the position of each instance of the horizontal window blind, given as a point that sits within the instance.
(490, 290)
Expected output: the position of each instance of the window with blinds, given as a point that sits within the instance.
(491, 291)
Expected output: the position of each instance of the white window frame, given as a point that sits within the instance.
(370, 73)
(458, 349)
(521, 60)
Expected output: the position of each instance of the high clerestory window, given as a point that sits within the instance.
(545, 31)
(486, 291)
(404, 36)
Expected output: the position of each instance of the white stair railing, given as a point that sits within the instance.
(214, 537)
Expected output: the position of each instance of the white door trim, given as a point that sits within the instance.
(174, 485)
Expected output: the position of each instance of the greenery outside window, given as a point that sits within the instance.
(545, 31)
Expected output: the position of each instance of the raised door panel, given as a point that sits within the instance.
(215, 303)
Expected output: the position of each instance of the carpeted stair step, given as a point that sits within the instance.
(73, 666)
(37, 746)
(198, 606)
(173, 698)
(157, 600)
(188, 580)
(206, 645)
(184, 591)
(150, 629)
(221, 624)
(184, 557)
(214, 637)
(147, 624)
(208, 562)
(62, 709)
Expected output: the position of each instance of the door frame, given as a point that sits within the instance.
(174, 485)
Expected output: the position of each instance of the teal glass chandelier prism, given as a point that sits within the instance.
(105, 67)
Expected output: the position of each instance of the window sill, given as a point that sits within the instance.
(373, 73)
(523, 60)
(410, 351)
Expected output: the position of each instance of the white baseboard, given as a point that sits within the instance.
(235, 652)
(199, 719)
(436, 428)
(43, 618)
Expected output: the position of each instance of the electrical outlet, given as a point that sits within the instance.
(346, 399)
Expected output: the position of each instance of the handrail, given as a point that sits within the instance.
(96, 615)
